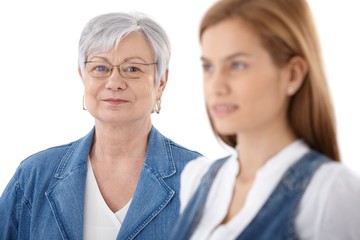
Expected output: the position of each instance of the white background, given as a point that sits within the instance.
(41, 92)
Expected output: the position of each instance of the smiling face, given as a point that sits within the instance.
(244, 90)
(125, 96)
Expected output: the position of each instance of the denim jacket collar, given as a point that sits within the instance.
(158, 155)
(76, 156)
(152, 193)
(67, 196)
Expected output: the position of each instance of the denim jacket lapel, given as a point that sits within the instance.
(152, 193)
(66, 198)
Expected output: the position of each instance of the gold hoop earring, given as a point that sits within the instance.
(83, 103)
(157, 107)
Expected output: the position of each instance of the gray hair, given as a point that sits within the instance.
(105, 31)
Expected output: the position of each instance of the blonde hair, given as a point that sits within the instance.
(286, 29)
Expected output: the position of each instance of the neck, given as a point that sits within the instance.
(120, 143)
(257, 147)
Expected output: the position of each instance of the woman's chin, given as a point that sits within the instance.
(225, 130)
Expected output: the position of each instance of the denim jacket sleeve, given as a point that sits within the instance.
(14, 207)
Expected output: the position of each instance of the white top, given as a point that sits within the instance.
(329, 209)
(99, 221)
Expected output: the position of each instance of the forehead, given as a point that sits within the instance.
(230, 36)
(133, 45)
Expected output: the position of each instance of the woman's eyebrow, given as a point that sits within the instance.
(229, 57)
(100, 57)
(235, 55)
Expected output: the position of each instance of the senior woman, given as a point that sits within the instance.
(121, 180)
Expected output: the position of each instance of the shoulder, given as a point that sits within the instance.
(333, 178)
(38, 170)
(159, 142)
(52, 156)
(181, 150)
(180, 154)
(36, 173)
(44, 159)
(191, 178)
(196, 169)
(332, 194)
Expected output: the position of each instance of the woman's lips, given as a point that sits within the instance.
(223, 109)
(116, 101)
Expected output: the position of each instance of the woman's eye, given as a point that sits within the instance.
(132, 69)
(238, 65)
(207, 67)
(101, 68)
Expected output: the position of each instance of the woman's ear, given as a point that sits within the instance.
(162, 83)
(298, 68)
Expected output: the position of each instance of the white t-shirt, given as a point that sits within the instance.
(99, 221)
(329, 209)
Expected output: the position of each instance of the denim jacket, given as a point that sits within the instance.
(45, 197)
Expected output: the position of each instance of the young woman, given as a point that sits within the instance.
(267, 97)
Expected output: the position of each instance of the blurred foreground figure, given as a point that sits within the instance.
(266, 96)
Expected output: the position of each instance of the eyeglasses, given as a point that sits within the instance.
(131, 70)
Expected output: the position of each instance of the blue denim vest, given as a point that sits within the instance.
(276, 218)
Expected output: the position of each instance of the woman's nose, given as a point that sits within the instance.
(218, 83)
(115, 81)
